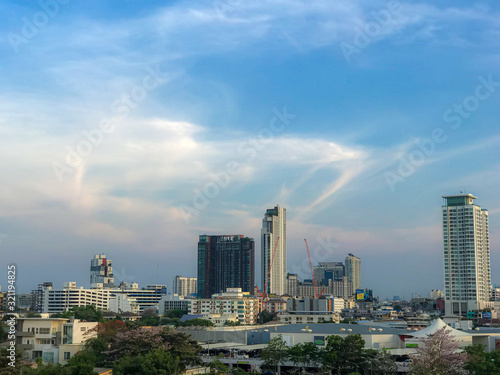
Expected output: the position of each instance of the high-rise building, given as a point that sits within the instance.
(37, 296)
(292, 283)
(225, 261)
(329, 271)
(353, 271)
(101, 272)
(184, 286)
(467, 273)
(273, 234)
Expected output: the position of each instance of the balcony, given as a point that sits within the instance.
(25, 334)
(25, 346)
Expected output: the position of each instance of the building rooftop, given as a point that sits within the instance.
(334, 328)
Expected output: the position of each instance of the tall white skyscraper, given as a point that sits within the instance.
(274, 226)
(101, 272)
(184, 286)
(353, 271)
(467, 273)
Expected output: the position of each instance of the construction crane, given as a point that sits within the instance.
(263, 294)
(312, 272)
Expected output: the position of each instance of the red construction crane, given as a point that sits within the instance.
(312, 271)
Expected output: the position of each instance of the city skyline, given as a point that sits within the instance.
(131, 130)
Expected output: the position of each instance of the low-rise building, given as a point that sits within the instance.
(306, 317)
(121, 303)
(274, 305)
(384, 313)
(233, 301)
(59, 300)
(44, 338)
(171, 302)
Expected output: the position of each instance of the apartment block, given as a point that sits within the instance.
(233, 301)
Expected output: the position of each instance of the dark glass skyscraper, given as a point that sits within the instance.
(225, 261)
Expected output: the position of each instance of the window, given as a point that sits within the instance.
(67, 355)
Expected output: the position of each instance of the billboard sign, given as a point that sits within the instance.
(319, 340)
(364, 295)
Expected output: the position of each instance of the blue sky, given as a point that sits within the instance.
(207, 83)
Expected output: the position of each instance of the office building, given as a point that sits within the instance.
(37, 296)
(467, 275)
(329, 271)
(337, 288)
(225, 261)
(184, 286)
(101, 272)
(292, 285)
(353, 271)
(273, 251)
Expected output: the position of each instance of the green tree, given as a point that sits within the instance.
(481, 363)
(149, 317)
(3, 332)
(275, 353)
(182, 347)
(96, 347)
(343, 355)
(49, 369)
(155, 362)
(217, 367)
(82, 363)
(304, 355)
(89, 313)
(175, 314)
(197, 322)
(312, 354)
(5, 368)
(265, 317)
(228, 323)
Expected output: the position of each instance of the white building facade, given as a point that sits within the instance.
(467, 272)
(184, 286)
(234, 301)
(273, 234)
(59, 300)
